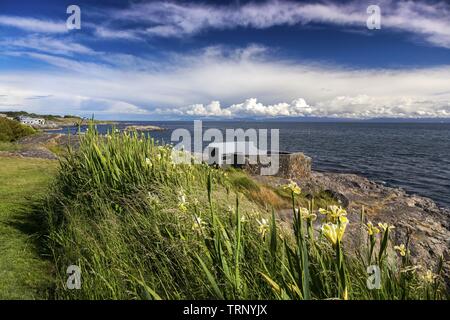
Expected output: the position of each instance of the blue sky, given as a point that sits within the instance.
(218, 59)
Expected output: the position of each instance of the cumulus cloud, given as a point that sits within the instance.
(355, 107)
(249, 108)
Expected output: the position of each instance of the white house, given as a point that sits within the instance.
(31, 121)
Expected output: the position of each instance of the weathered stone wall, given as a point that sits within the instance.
(291, 166)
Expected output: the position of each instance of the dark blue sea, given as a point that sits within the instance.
(413, 156)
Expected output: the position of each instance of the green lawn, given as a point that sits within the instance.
(24, 271)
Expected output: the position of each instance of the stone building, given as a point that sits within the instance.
(248, 157)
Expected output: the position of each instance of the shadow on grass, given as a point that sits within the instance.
(30, 220)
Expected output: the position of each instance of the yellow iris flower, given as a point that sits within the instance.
(401, 249)
(263, 226)
(429, 276)
(385, 226)
(198, 224)
(371, 229)
(308, 215)
(293, 187)
(333, 213)
(334, 232)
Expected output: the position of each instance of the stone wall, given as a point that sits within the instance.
(291, 166)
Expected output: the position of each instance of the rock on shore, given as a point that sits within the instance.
(144, 128)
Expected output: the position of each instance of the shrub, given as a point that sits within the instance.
(11, 130)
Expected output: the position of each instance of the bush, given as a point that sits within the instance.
(11, 130)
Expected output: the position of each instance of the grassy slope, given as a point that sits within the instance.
(24, 274)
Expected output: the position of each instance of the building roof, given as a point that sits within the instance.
(244, 147)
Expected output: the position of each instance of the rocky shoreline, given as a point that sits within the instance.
(144, 128)
(416, 217)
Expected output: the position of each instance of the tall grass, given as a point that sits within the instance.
(142, 227)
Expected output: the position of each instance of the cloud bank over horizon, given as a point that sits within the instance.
(357, 107)
(233, 75)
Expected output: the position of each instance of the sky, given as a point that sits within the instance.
(171, 60)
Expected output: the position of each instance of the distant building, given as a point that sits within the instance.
(2, 115)
(31, 121)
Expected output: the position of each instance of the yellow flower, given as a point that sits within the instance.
(333, 213)
(153, 199)
(345, 294)
(263, 226)
(429, 276)
(198, 225)
(183, 207)
(334, 232)
(181, 197)
(401, 249)
(385, 226)
(371, 230)
(308, 215)
(293, 187)
(148, 162)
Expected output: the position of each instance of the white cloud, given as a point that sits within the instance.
(356, 107)
(109, 33)
(424, 20)
(249, 108)
(184, 85)
(176, 19)
(12, 98)
(46, 44)
(33, 25)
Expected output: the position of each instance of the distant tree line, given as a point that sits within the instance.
(15, 114)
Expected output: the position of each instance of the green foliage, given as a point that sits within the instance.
(143, 227)
(9, 146)
(11, 130)
(14, 114)
(242, 182)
